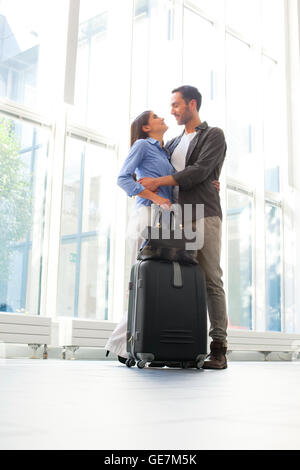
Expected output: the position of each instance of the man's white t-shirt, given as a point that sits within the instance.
(179, 155)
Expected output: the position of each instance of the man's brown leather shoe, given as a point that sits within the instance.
(217, 357)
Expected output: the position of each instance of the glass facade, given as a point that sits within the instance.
(23, 163)
(30, 51)
(242, 16)
(93, 70)
(87, 215)
(272, 146)
(273, 267)
(62, 215)
(240, 254)
(154, 60)
(201, 72)
(256, 159)
(20, 52)
(240, 100)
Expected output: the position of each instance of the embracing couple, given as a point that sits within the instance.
(185, 170)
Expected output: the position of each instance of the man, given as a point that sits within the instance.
(198, 155)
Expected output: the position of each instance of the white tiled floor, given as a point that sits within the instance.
(58, 404)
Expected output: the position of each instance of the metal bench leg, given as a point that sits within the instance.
(71, 349)
(266, 354)
(34, 347)
(45, 352)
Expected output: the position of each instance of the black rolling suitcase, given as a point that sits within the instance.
(167, 319)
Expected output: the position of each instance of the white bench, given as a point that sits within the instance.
(264, 342)
(75, 333)
(26, 329)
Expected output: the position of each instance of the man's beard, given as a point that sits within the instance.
(186, 117)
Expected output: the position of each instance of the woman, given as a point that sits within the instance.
(146, 157)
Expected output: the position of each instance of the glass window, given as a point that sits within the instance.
(154, 68)
(71, 191)
(99, 81)
(94, 277)
(242, 16)
(67, 278)
(98, 184)
(140, 58)
(93, 65)
(240, 246)
(240, 102)
(272, 118)
(22, 205)
(87, 211)
(130, 55)
(30, 51)
(199, 73)
(208, 6)
(272, 26)
(273, 267)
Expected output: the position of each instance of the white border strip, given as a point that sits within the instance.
(71, 52)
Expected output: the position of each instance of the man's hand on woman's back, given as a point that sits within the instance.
(217, 185)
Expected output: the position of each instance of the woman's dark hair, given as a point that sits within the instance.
(189, 93)
(136, 131)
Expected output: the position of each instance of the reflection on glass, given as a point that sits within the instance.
(88, 207)
(240, 99)
(239, 228)
(22, 200)
(19, 52)
(30, 50)
(273, 267)
(272, 143)
(199, 73)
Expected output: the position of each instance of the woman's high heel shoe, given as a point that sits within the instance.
(120, 358)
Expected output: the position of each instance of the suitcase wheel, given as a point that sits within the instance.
(141, 364)
(130, 362)
(199, 364)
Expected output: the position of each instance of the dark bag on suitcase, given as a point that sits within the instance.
(169, 245)
(167, 319)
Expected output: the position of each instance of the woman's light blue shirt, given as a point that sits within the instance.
(146, 158)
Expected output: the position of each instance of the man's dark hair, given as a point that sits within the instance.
(189, 93)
